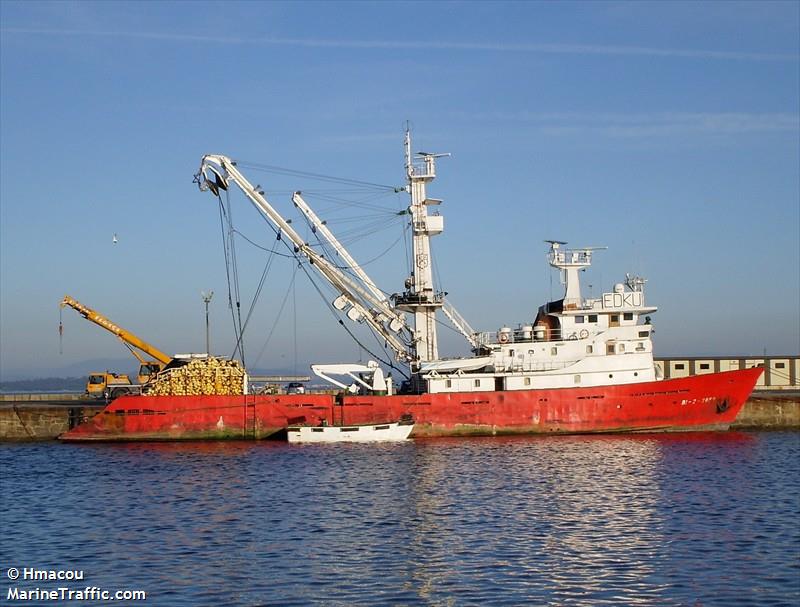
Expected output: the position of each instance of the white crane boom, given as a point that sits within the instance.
(460, 323)
(363, 305)
(381, 301)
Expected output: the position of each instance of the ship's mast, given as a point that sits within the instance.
(571, 262)
(420, 298)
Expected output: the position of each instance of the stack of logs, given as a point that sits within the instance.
(201, 376)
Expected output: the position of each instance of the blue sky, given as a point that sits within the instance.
(669, 132)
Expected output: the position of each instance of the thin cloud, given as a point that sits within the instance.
(563, 49)
(651, 124)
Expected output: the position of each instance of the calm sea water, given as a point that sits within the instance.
(689, 519)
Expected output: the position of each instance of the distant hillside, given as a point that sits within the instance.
(78, 384)
(44, 384)
(75, 369)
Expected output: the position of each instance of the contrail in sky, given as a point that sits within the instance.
(551, 48)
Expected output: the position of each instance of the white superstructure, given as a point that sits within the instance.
(572, 342)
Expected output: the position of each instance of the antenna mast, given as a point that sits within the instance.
(420, 298)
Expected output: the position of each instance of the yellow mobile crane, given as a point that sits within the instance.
(114, 384)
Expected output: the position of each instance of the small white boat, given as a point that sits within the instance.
(366, 433)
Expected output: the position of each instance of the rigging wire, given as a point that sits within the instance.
(278, 317)
(325, 247)
(294, 318)
(235, 267)
(405, 236)
(328, 178)
(437, 276)
(346, 204)
(222, 221)
(359, 233)
(346, 328)
(331, 255)
(263, 248)
(383, 346)
(257, 294)
(302, 265)
(333, 219)
(389, 248)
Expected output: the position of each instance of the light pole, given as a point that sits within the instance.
(207, 295)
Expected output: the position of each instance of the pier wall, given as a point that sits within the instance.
(43, 416)
(768, 411)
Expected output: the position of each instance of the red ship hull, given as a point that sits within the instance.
(700, 402)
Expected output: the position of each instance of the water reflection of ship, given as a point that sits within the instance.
(590, 511)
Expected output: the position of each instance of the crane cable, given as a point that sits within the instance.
(231, 269)
(277, 317)
(311, 277)
(346, 328)
(256, 296)
(300, 259)
(317, 176)
(60, 330)
(369, 231)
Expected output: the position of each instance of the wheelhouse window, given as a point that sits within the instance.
(579, 320)
(628, 316)
(592, 317)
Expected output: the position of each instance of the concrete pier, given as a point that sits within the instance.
(770, 411)
(43, 416)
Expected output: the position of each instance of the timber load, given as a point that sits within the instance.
(200, 377)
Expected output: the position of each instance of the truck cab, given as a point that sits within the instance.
(148, 371)
(102, 384)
